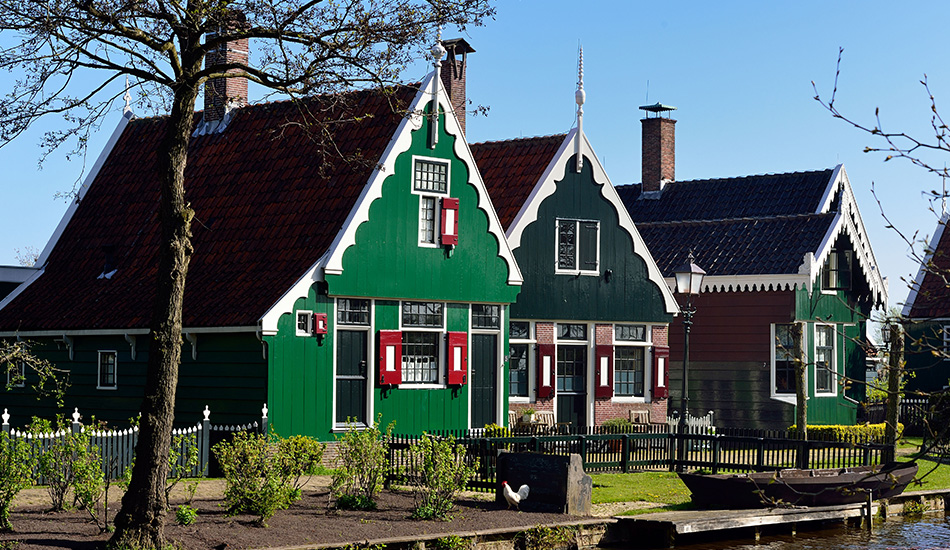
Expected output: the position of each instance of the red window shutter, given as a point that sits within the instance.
(661, 372)
(390, 357)
(450, 221)
(458, 358)
(547, 370)
(604, 383)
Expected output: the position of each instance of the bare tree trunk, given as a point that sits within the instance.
(801, 391)
(895, 361)
(140, 522)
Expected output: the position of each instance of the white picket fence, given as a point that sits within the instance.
(117, 447)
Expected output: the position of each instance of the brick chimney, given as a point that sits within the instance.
(224, 94)
(453, 75)
(659, 147)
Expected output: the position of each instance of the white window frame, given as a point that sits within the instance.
(783, 397)
(834, 360)
(577, 248)
(441, 345)
(826, 266)
(300, 313)
(115, 374)
(531, 341)
(647, 345)
(429, 194)
(21, 368)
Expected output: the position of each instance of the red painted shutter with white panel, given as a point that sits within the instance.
(390, 357)
(661, 372)
(450, 221)
(604, 383)
(547, 366)
(458, 358)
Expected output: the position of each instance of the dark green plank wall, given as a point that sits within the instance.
(387, 261)
(930, 372)
(629, 295)
(229, 376)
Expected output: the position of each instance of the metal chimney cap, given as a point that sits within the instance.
(657, 108)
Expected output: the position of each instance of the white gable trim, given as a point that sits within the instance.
(332, 261)
(547, 185)
(922, 270)
(849, 221)
(54, 238)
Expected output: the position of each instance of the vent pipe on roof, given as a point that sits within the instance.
(453, 75)
(658, 147)
(224, 94)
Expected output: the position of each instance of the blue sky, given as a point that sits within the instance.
(740, 74)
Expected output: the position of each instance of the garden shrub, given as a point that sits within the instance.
(185, 515)
(15, 474)
(361, 466)
(55, 463)
(445, 472)
(255, 483)
(855, 434)
(494, 430)
(617, 426)
(299, 456)
(88, 478)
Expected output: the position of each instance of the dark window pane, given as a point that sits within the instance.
(786, 351)
(519, 330)
(571, 367)
(630, 333)
(566, 244)
(628, 371)
(569, 331)
(518, 370)
(422, 314)
(486, 316)
(351, 311)
(107, 370)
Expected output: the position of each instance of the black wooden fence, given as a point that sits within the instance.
(117, 446)
(912, 412)
(655, 447)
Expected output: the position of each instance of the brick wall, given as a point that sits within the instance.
(661, 335)
(219, 92)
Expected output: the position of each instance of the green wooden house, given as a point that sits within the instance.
(927, 317)
(339, 282)
(784, 254)
(589, 329)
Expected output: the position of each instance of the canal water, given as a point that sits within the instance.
(930, 532)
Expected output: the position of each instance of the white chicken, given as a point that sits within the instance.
(513, 498)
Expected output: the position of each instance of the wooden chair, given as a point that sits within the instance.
(512, 419)
(639, 416)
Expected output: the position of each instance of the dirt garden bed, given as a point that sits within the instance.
(307, 522)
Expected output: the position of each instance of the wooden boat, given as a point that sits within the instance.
(794, 487)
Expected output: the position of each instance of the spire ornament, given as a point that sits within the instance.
(579, 97)
(438, 52)
(127, 97)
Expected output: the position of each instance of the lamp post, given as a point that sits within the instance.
(689, 281)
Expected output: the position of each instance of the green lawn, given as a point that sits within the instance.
(667, 489)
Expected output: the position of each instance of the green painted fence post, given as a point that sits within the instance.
(715, 455)
(625, 453)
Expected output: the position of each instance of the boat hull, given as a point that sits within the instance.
(819, 487)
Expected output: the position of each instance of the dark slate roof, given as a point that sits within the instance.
(932, 299)
(264, 214)
(744, 246)
(511, 168)
(754, 225)
(717, 199)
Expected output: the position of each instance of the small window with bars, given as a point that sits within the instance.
(431, 176)
(107, 370)
(352, 311)
(427, 215)
(628, 371)
(630, 333)
(571, 331)
(518, 370)
(486, 316)
(422, 314)
(420, 357)
(578, 248)
(785, 352)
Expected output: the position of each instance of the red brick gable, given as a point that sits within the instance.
(512, 168)
(932, 297)
(267, 204)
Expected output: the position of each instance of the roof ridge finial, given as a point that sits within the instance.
(127, 97)
(438, 51)
(579, 96)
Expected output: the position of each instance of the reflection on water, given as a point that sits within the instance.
(928, 533)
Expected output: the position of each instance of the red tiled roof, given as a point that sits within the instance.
(933, 295)
(511, 168)
(267, 204)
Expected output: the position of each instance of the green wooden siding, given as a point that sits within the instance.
(849, 318)
(387, 243)
(629, 294)
(929, 371)
(386, 264)
(228, 376)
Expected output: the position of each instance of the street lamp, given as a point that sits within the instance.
(689, 281)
